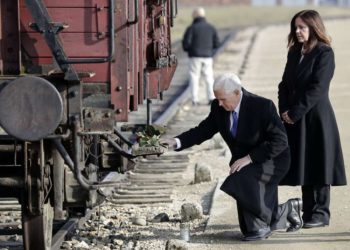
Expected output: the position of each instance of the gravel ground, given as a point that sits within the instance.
(114, 226)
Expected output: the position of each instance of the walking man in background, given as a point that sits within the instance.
(200, 41)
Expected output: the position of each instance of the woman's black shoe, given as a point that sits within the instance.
(315, 223)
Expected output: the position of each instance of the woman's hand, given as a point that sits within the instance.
(286, 118)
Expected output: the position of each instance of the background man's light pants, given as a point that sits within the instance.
(204, 66)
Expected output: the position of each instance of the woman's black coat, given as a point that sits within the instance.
(316, 153)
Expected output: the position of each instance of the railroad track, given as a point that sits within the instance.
(153, 178)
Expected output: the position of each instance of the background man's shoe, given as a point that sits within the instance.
(294, 215)
(315, 223)
(261, 234)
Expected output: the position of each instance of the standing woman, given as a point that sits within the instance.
(304, 105)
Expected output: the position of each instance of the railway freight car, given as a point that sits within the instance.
(70, 70)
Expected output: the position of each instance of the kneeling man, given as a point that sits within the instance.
(253, 131)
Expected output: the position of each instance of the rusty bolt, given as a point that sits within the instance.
(119, 111)
(119, 88)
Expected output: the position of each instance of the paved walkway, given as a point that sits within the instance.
(259, 56)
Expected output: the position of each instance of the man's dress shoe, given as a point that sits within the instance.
(294, 215)
(314, 223)
(261, 234)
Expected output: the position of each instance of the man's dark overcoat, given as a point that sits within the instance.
(316, 151)
(260, 133)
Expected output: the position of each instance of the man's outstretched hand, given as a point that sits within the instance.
(168, 142)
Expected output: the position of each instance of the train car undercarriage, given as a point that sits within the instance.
(70, 70)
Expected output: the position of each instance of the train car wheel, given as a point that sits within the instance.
(37, 229)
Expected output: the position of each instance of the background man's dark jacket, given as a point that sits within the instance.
(200, 39)
(261, 134)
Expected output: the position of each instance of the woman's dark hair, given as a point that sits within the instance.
(317, 31)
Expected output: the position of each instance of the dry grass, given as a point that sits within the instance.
(233, 17)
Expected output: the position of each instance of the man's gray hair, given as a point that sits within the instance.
(198, 12)
(228, 82)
